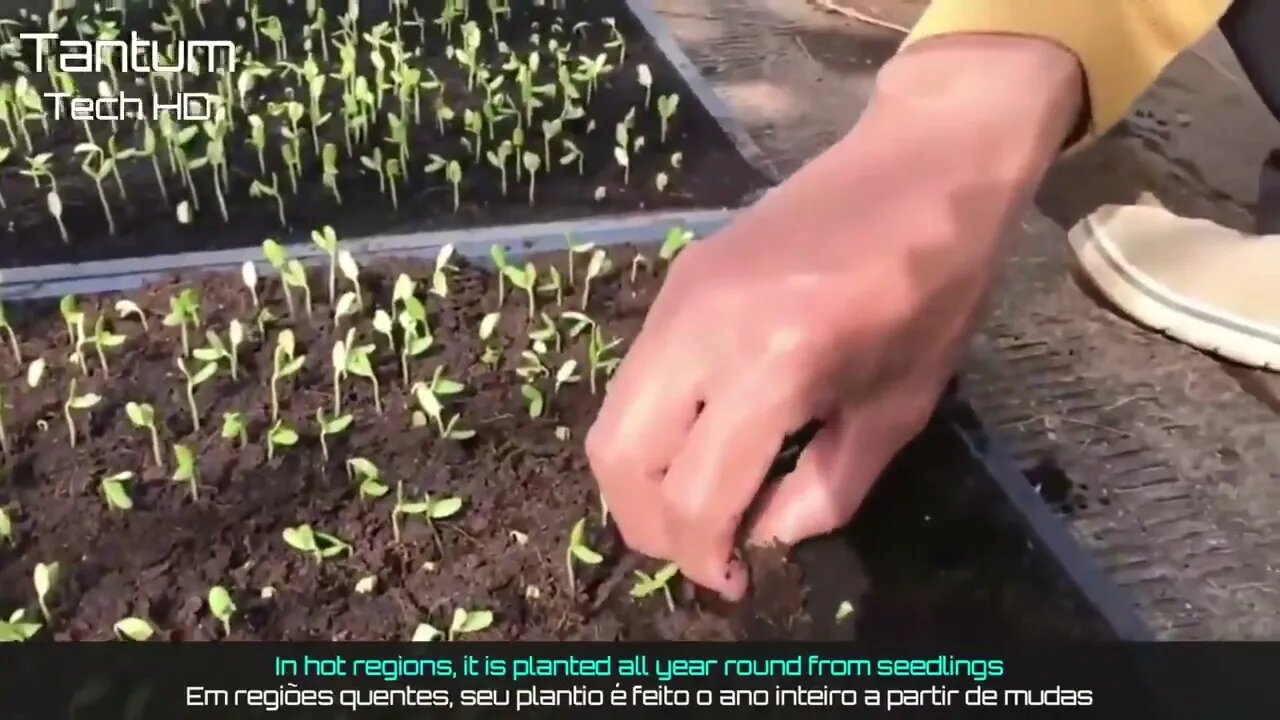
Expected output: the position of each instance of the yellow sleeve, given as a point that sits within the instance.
(1123, 45)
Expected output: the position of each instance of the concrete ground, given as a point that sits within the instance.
(1169, 458)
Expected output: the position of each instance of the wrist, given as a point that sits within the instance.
(975, 110)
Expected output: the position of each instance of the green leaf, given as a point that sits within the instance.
(220, 603)
(117, 496)
(586, 555)
(274, 253)
(204, 373)
(140, 414)
(293, 366)
(446, 507)
(359, 365)
(469, 622)
(444, 387)
(283, 436)
(300, 538)
(488, 324)
(338, 424)
(425, 633)
(86, 401)
(186, 461)
(135, 629)
(534, 399)
(44, 577)
(35, 371)
(363, 468)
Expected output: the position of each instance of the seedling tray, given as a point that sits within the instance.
(953, 545)
(704, 161)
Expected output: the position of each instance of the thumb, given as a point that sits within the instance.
(832, 476)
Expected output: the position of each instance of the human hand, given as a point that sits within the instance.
(844, 295)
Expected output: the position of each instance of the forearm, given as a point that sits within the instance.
(978, 118)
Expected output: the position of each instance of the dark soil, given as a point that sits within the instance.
(936, 555)
(707, 171)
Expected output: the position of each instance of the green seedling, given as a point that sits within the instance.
(428, 397)
(602, 362)
(222, 607)
(185, 470)
(134, 628)
(646, 585)
(329, 427)
(234, 427)
(35, 372)
(184, 313)
(440, 276)
(115, 492)
(554, 284)
(17, 628)
(499, 256)
(667, 105)
(88, 401)
(128, 308)
(295, 275)
(565, 375)
(283, 364)
(327, 240)
(525, 279)
(201, 376)
(532, 164)
(425, 632)
(676, 239)
(645, 77)
(364, 472)
(351, 271)
(357, 363)
(579, 551)
(279, 260)
(318, 545)
(469, 621)
(216, 350)
(6, 527)
(597, 265)
(54, 204)
(143, 416)
(73, 320)
(45, 578)
(498, 158)
(260, 189)
(428, 508)
(329, 170)
(249, 274)
(11, 335)
(489, 324)
(573, 155)
(533, 400)
(637, 262)
(280, 435)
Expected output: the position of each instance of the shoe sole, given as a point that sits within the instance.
(1160, 308)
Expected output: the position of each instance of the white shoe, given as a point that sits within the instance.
(1210, 287)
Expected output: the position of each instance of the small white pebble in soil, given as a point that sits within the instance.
(429, 566)
(532, 592)
(268, 592)
(519, 537)
(366, 584)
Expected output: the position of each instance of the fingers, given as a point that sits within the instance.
(716, 476)
(650, 407)
(837, 469)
